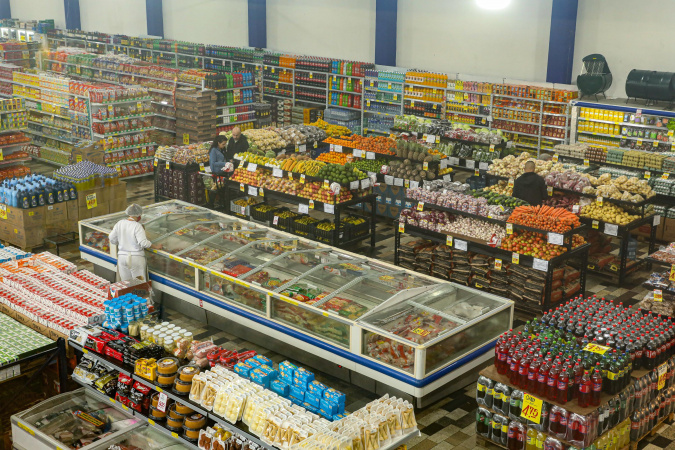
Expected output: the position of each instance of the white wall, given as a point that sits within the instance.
(456, 36)
(339, 29)
(223, 22)
(39, 10)
(630, 35)
(118, 16)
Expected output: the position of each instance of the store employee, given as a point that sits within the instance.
(237, 144)
(129, 236)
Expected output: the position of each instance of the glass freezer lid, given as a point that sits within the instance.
(223, 243)
(255, 254)
(198, 231)
(176, 210)
(286, 267)
(145, 437)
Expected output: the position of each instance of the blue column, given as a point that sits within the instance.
(561, 41)
(386, 14)
(257, 23)
(72, 8)
(153, 12)
(5, 10)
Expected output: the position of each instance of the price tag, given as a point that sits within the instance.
(595, 348)
(658, 295)
(365, 183)
(302, 178)
(91, 201)
(575, 209)
(398, 181)
(401, 227)
(611, 229)
(483, 166)
(161, 403)
(252, 167)
(431, 139)
(655, 144)
(600, 200)
(277, 173)
(3, 212)
(492, 148)
(672, 273)
(303, 208)
(414, 184)
(595, 224)
(555, 238)
(302, 148)
(311, 204)
(328, 208)
(498, 264)
(252, 190)
(540, 264)
(662, 370)
(648, 175)
(587, 163)
(357, 153)
(638, 113)
(425, 165)
(420, 206)
(461, 245)
(448, 241)
(657, 220)
(470, 163)
(510, 183)
(261, 192)
(186, 139)
(555, 158)
(337, 148)
(167, 166)
(531, 408)
(354, 184)
(241, 187)
(665, 176)
(509, 228)
(388, 179)
(370, 155)
(275, 220)
(316, 144)
(639, 142)
(476, 172)
(297, 149)
(515, 258)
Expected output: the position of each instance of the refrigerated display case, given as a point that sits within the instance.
(145, 437)
(61, 421)
(313, 297)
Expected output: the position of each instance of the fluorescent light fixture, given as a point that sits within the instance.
(493, 4)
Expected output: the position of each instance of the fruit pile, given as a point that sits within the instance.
(531, 244)
(382, 145)
(608, 212)
(331, 130)
(300, 164)
(341, 174)
(370, 165)
(544, 217)
(494, 198)
(245, 201)
(335, 158)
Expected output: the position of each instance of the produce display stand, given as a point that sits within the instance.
(239, 428)
(336, 209)
(466, 243)
(270, 319)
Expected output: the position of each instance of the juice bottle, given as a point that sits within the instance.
(531, 443)
(584, 399)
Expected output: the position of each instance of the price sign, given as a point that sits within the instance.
(302, 178)
(161, 403)
(665, 176)
(515, 258)
(587, 163)
(420, 206)
(595, 348)
(337, 148)
(611, 229)
(600, 200)
(252, 190)
(167, 166)
(509, 228)
(531, 408)
(401, 227)
(555, 158)
(550, 191)
(461, 245)
(655, 144)
(3, 212)
(303, 209)
(672, 273)
(425, 165)
(510, 183)
(91, 201)
(357, 153)
(648, 175)
(657, 220)
(498, 264)
(316, 144)
(328, 208)
(252, 167)
(421, 332)
(470, 163)
(370, 155)
(388, 179)
(575, 209)
(492, 148)
(431, 139)
(155, 162)
(662, 370)
(639, 142)
(275, 220)
(476, 171)
(596, 224)
(555, 239)
(261, 192)
(241, 187)
(302, 148)
(540, 264)
(448, 241)
(658, 295)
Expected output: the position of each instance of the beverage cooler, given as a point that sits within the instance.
(409, 332)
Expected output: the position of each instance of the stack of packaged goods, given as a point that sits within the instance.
(177, 175)
(195, 115)
(589, 373)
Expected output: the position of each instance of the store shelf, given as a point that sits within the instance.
(516, 121)
(554, 114)
(36, 158)
(122, 133)
(166, 117)
(467, 92)
(462, 102)
(48, 126)
(115, 119)
(37, 100)
(137, 176)
(544, 137)
(15, 144)
(518, 132)
(408, 83)
(285, 97)
(112, 150)
(518, 98)
(6, 162)
(379, 113)
(252, 86)
(130, 161)
(165, 129)
(116, 102)
(382, 101)
(466, 114)
(510, 108)
(179, 440)
(555, 126)
(235, 123)
(345, 92)
(345, 107)
(346, 76)
(50, 90)
(310, 101)
(160, 91)
(412, 99)
(46, 136)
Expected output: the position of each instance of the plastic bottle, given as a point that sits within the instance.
(584, 399)
(596, 386)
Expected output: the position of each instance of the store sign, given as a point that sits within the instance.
(531, 408)
(595, 348)
(91, 201)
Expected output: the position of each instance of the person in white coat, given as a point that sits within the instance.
(129, 236)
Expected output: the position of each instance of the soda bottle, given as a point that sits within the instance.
(543, 376)
(541, 438)
(612, 376)
(563, 387)
(596, 386)
(496, 425)
(483, 418)
(649, 355)
(516, 436)
(584, 399)
(523, 369)
(531, 442)
(532, 374)
(552, 383)
(552, 444)
(554, 419)
(516, 404)
(578, 373)
(502, 397)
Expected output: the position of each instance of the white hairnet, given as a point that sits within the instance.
(134, 210)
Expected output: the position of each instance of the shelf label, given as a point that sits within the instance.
(302, 148)
(540, 264)
(666, 175)
(531, 408)
(401, 227)
(370, 155)
(672, 273)
(515, 258)
(639, 142)
(3, 211)
(448, 240)
(657, 220)
(241, 187)
(454, 161)
(302, 178)
(655, 144)
(470, 163)
(476, 172)
(595, 348)
(461, 245)
(420, 206)
(398, 181)
(161, 403)
(414, 184)
(575, 209)
(357, 153)
(600, 200)
(252, 167)
(509, 228)
(492, 148)
(611, 229)
(311, 204)
(261, 192)
(354, 184)
(365, 183)
(91, 201)
(252, 190)
(276, 172)
(328, 208)
(498, 264)
(648, 175)
(555, 238)
(658, 295)
(555, 158)
(303, 208)
(388, 179)
(337, 148)
(662, 370)
(275, 220)
(510, 183)
(483, 166)
(186, 139)
(587, 163)
(425, 165)
(595, 224)
(431, 139)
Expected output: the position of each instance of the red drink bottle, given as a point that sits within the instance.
(552, 383)
(584, 398)
(596, 385)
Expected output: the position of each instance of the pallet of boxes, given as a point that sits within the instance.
(100, 201)
(195, 115)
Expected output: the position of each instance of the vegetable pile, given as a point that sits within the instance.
(544, 217)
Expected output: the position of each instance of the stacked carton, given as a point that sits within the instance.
(102, 201)
(195, 115)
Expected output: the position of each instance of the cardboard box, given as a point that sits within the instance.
(56, 214)
(117, 205)
(668, 230)
(71, 206)
(100, 193)
(87, 213)
(118, 191)
(26, 218)
(25, 238)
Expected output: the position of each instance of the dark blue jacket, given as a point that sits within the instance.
(216, 161)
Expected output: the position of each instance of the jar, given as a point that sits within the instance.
(163, 324)
(170, 327)
(188, 336)
(169, 344)
(155, 336)
(160, 339)
(134, 328)
(144, 332)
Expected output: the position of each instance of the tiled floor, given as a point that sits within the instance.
(447, 424)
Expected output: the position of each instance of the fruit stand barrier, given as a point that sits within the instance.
(578, 255)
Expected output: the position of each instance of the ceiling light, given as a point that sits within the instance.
(493, 4)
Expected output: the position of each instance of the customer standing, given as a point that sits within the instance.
(237, 144)
(530, 186)
(129, 236)
(217, 161)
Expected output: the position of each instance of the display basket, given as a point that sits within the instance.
(302, 229)
(327, 235)
(283, 223)
(263, 216)
(241, 211)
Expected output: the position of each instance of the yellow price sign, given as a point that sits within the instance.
(421, 332)
(420, 206)
(531, 408)
(587, 162)
(91, 201)
(555, 158)
(600, 200)
(311, 204)
(167, 165)
(639, 142)
(448, 241)
(662, 370)
(595, 348)
(476, 171)
(155, 162)
(2, 156)
(425, 165)
(78, 158)
(665, 176)
(596, 224)
(648, 175)
(658, 295)
(3, 212)
(550, 191)
(655, 144)
(672, 273)
(186, 139)
(401, 227)
(515, 258)
(492, 148)
(510, 183)
(498, 264)
(302, 178)
(509, 228)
